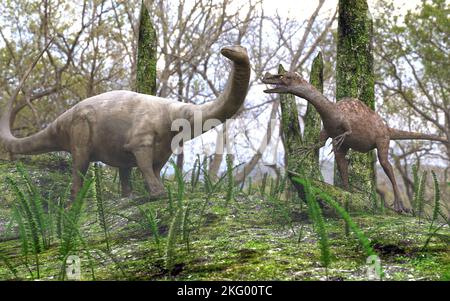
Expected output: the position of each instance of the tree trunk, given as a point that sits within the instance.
(313, 123)
(146, 55)
(290, 131)
(355, 78)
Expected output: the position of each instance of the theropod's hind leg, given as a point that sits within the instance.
(382, 150)
(124, 175)
(342, 165)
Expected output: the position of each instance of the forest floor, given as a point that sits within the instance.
(249, 237)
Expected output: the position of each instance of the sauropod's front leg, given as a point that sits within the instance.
(144, 158)
(124, 175)
(81, 142)
(80, 165)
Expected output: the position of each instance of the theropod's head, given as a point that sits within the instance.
(235, 53)
(283, 83)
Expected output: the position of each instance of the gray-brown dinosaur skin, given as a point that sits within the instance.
(351, 124)
(126, 129)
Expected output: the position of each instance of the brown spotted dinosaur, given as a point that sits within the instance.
(125, 129)
(351, 124)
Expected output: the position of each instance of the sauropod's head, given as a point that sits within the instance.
(236, 53)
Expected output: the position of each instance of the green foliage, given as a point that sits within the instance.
(31, 218)
(195, 175)
(152, 221)
(419, 196)
(185, 226)
(315, 214)
(98, 196)
(180, 183)
(146, 54)
(436, 210)
(262, 188)
(170, 196)
(230, 180)
(71, 220)
(172, 238)
(9, 265)
(314, 193)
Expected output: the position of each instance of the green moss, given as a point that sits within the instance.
(313, 123)
(244, 242)
(146, 54)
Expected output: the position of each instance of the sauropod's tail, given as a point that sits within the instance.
(405, 135)
(37, 143)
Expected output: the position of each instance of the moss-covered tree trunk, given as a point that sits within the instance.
(146, 54)
(355, 78)
(313, 123)
(290, 131)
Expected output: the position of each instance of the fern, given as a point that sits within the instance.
(180, 183)
(436, 211)
(230, 180)
(98, 196)
(24, 211)
(36, 206)
(316, 216)
(195, 173)
(152, 222)
(415, 188)
(185, 227)
(250, 186)
(172, 237)
(9, 265)
(263, 184)
(364, 241)
(419, 197)
(71, 220)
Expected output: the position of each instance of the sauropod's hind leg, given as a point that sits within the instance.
(124, 175)
(144, 159)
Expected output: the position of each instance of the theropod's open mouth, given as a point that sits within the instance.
(275, 81)
(275, 89)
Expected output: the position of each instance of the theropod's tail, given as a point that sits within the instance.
(405, 135)
(37, 143)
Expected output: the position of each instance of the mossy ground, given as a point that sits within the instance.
(250, 238)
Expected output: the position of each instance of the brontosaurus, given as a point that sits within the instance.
(351, 124)
(125, 129)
